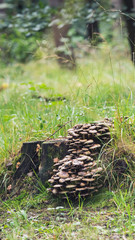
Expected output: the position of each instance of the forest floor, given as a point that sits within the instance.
(36, 99)
(106, 215)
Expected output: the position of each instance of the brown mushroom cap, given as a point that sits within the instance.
(77, 126)
(55, 178)
(84, 133)
(99, 169)
(69, 137)
(76, 179)
(75, 162)
(51, 180)
(93, 127)
(92, 131)
(88, 164)
(83, 140)
(54, 191)
(62, 180)
(87, 153)
(95, 146)
(63, 174)
(81, 173)
(88, 179)
(57, 186)
(85, 149)
(85, 126)
(70, 186)
(90, 141)
(81, 189)
(82, 184)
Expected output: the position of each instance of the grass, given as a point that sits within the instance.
(101, 86)
(106, 216)
(96, 89)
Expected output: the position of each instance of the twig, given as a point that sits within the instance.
(57, 130)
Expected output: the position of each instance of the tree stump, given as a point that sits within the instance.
(52, 151)
(29, 158)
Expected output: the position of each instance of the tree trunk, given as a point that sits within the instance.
(130, 4)
(52, 151)
(29, 158)
(93, 28)
(116, 5)
(68, 59)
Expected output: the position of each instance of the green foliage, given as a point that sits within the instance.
(21, 30)
(17, 47)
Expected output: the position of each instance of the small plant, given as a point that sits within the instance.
(124, 201)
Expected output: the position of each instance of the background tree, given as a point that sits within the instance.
(61, 33)
(92, 24)
(129, 10)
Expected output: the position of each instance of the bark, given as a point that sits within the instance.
(59, 33)
(92, 29)
(130, 25)
(29, 159)
(117, 6)
(51, 151)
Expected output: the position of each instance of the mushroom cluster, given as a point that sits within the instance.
(79, 172)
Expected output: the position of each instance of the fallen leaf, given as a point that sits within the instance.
(55, 160)
(38, 148)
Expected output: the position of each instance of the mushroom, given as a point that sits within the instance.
(97, 170)
(57, 186)
(76, 162)
(70, 186)
(83, 140)
(88, 179)
(95, 146)
(78, 172)
(89, 142)
(81, 189)
(92, 131)
(81, 173)
(82, 184)
(51, 180)
(63, 174)
(54, 191)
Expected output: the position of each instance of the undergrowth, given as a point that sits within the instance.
(101, 86)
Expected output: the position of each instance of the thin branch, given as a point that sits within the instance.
(58, 130)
